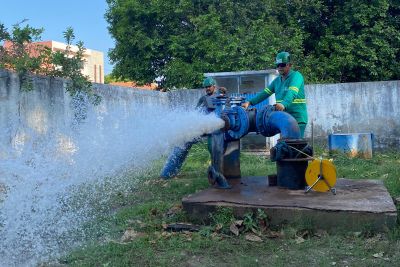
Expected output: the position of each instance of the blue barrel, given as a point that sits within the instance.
(353, 144)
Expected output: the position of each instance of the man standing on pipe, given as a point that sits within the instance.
(289, 91)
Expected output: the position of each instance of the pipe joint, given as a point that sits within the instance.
(238, 123)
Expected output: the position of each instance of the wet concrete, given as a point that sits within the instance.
(358, 204)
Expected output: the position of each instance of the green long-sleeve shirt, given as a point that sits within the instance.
(290, 93)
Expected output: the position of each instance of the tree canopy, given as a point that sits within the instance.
(179, 40)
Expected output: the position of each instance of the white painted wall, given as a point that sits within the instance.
(333, 108)
(356, 108)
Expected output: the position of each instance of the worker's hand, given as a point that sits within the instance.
(222, 90)
(279, 107)
(246, 105)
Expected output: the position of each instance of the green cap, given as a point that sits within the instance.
(282, 57)
(209, 81)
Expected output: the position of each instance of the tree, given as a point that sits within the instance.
(360, 42)
(21, 54)
(179, 40)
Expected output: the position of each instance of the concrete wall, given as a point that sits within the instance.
(49, 108)
(343, 108)
(333, 108)
(354, 108)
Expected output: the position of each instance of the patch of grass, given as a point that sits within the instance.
(382, 166)
(156, 203)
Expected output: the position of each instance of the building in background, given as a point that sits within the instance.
(94, 60)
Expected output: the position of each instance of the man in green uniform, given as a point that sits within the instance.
(211, 89)
(178, 155)
(289, 91)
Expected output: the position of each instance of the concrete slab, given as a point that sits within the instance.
(358, 204)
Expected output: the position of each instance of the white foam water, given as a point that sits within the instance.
(49, 177)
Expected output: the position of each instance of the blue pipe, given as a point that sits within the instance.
(175, 160)
(270, 122)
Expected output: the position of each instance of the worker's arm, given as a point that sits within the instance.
(261, 96)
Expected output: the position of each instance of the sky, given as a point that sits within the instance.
(86, 17)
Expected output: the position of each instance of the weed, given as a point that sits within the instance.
(206, 231)
(249, 222)
(223, 216)
(394, 234)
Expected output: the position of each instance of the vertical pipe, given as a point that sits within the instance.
(217, 139)
(215, 171)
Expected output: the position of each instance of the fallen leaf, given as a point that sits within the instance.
(378, 255)
(273, 234)
(357, 234)
(153, 211)
(166, 234)
(174, 210)
(303, 234)
(384, 176)
(239, 222)
(254, 231)
(233, 228)
(130, 235)
(218, 227)
(320, 233)
(299, 240)
(253, 238)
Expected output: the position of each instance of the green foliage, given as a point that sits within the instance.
(26, 58)
(331, 41)
(69, 65)
(179, 40)
(109, 78)
(360, 42)
(255, 222)
(249, 222)
(223, 217)
(22, 57)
